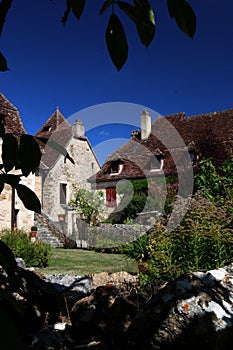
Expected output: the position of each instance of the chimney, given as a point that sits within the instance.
(78, 128)
(145, 119)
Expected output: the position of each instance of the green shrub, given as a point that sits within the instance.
(137, 249)
(203, 241)
(34, 254)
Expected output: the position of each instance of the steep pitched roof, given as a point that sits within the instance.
(12, 119)
(210, 134)
(58, 129)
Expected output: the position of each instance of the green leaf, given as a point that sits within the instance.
(7, 258)
(9, 152)
(29, 154)
(116, 42)
(145, 21)
(3, 63)
(77, 7)
(128, 9)
(105, 6)
(29, 198)
(184, 16)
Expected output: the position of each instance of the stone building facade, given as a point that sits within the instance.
(58, 173)
(12, 210)
(53, 183)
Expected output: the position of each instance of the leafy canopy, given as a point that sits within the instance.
(139, 11)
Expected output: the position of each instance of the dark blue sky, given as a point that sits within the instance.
(51, 65)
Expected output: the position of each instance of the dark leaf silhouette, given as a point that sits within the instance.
(145, 21)
(3, 63)
(10, 179)
(7, 259)
(116, 42)
(128, 9)
(105, 6)
(77, 7)
(29, 198)
(1, 186)
(56, 146)
(4, 7)
(66, 13)
(29, 154)
(184, 16)
(9, 152)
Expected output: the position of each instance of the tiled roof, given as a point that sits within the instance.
(210, 135)
(12, 119)
(58, 129)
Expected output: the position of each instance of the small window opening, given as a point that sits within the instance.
(63, 193)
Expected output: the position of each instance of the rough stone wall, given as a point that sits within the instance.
(25, 218)
(69, 174)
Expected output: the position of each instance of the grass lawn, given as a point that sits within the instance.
(84, 262)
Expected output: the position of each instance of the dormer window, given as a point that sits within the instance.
(155, 163)
(116, 168)
(47, 128)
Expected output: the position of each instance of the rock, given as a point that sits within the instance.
(65, 282)
(47, 339)
(117, 278)
(194, 311)
(104, 315)
(20, 262)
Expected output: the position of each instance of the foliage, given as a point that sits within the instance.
(215, 184)
(156, 194)
(87, 204)
(203, 240)
(137, 250)
(34, 254)
(140, 12)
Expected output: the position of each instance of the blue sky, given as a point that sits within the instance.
(69, 67)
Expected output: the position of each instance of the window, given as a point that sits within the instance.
(63, 193)
(156, 163)
(47, 128)
(116, 168)
(111, 197)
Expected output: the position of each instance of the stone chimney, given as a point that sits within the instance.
(78, 128)
(145, 120)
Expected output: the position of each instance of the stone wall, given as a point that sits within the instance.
(69, 174)
(25, 217)
(108, 235)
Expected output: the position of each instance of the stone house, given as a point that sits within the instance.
(53, 181)
(170, 145)
(12, 211)
(57, 172)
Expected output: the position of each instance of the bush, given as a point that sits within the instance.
(203, 241)
(34, 254)
(137, 249)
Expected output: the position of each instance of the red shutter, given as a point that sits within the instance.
(111, 197)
